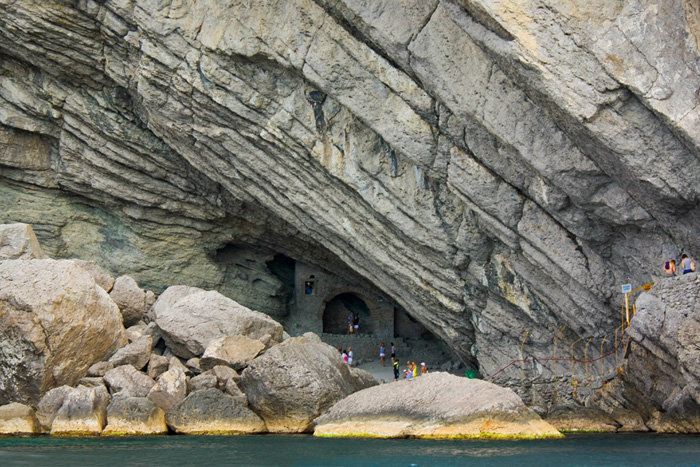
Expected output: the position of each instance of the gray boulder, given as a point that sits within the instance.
(49, 405)
(295, 382)
(135, 332)
(127, 378)
(157, 365)
(190, 324)
(225, 373)
(84, 412)
(206, 380)
(234, 351)
(212, 412)
(18, 241)
(133, 301)
(18, 419)
(99, 369)
(170, 388)
(128, 415)
(232, 389)
(135, 354)
(55, 322)
(194, 365)
(170, 297)
(436, 405)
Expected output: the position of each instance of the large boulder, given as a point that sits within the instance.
(128, 415)
(295, 382)
(55, 322)
(213, 412)
(234, 351)
(18, 419)
(127, 378)
(436, 405)
(135, 354)
(133, 301)
(17, 241)
(83, 413)
(190, 324)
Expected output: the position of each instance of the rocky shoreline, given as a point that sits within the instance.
(190, 362)
(196, 362)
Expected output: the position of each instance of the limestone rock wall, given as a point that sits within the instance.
(494, 167)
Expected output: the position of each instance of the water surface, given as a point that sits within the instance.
(303, 450)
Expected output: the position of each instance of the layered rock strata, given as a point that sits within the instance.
(437, 405)
(483, 163)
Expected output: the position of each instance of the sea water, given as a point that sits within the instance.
(303, 450)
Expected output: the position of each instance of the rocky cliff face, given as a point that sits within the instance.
(495, 167)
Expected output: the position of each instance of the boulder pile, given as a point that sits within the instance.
(196, 362)
(193, 361)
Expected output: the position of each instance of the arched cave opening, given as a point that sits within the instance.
(337, 310)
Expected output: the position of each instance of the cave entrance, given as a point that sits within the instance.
(337, 310)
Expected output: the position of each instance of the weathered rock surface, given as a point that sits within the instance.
(84, 412)
(629, 420)
(190, 324)
(212, 412)
(126, 378)
(100, 368)
(102, 277)
(55, 322)
(295, 382)
(18, 241)
(170, 388)
(127, 415)
(157, 365)
(133, 301)
(664, 361)
(206, 380)
(18, 419)
(437, 405)
(49, 405)
(224, 374)
(234, 351)
(494, 167)
(583, 419)
(136, 354)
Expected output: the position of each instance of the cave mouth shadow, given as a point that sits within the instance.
(336, 311)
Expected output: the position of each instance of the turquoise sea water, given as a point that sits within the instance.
(302, 450)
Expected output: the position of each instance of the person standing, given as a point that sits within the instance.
(351, 322)
(356, 325)
(670, 268)
(382, 352)
(393, 351)
(395, 364)
(423, 368)
(688, 264)
(351, 354)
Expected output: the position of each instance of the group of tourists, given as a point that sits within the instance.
(687, 264)
(411, 371)
(347, 355)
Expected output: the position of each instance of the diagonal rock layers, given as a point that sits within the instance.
(493, 167)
